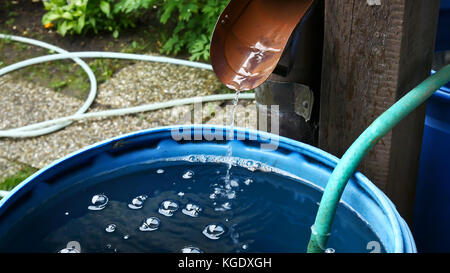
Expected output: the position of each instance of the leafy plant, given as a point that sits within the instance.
(196, 21)
(81, 16)
(193, 20)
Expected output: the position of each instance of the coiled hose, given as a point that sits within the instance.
(50, 126)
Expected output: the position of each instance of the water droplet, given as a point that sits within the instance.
(150, 224)
(191, 210)
(99, 202)
(188, 174)
(138, 202)
(191, 249)
(110, 228)
(330, 250)
(180, 194)
(244, 246)
(67, 213)
(168, 207)
(126, 237)
(214, 231)
(248, 181)
(160, 171)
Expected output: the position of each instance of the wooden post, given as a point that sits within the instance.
(374, 52)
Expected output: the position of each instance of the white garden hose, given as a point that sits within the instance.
(50, 126)
(84, 66)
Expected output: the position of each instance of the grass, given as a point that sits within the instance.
(10, 182)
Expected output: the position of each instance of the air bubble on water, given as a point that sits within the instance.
(191, 210)
(214, 231)
(168, 207)
(231, 195)
(244, 246)
(225, 206)
(69, 250)
(67, 213)
(160, 171)
(217, 192)
(150, 224)
(71, 247)
(138, 202)
(110, 228)
(330, 250)
(99, 202)
(191, 249)
(126, 237)
(180, 194)
(248, 181)
(253, 166)
(188, 174)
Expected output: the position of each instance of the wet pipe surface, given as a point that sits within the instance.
(250, 37)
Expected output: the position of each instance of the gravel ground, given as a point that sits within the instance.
(25, 103)
(8, 168)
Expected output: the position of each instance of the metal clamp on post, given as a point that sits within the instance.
(289, 96)
(294, 102)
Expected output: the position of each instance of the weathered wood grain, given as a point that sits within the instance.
(374, 54)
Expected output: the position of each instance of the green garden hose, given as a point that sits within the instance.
(320, 231)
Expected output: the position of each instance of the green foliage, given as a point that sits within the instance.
(195, 24)
(81, 16)
(193, 20)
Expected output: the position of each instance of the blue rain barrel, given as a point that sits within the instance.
(273, 213)
(443, 31)
(432, 208)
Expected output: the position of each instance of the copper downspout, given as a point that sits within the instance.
(250, 37)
